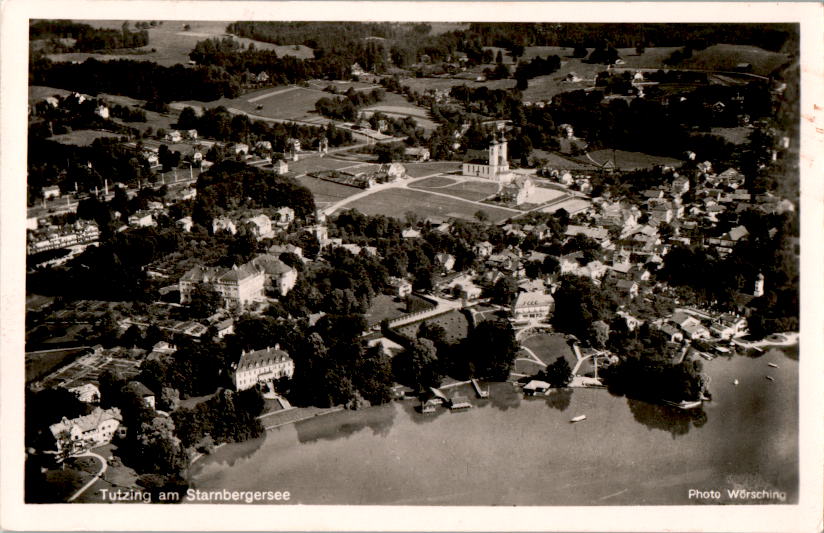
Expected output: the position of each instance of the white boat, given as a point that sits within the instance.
(578, 418)
(684, 404)
(735, 382)
(772, 365)
(770, 378)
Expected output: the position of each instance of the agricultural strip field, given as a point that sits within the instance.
(423, 84)
(396, 202)
(308, 164)
(293, 103)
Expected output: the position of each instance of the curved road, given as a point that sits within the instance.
(103, 467)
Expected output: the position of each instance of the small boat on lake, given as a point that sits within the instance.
(772, 365)
(684, 404)
(735, 382)
(578, 418)
(770, 378)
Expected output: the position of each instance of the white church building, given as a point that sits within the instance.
(497, 167)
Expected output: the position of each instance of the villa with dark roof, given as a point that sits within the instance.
(261, 366)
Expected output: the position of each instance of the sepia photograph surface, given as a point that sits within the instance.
(282, 259)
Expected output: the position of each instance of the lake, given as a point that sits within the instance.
(515, 451)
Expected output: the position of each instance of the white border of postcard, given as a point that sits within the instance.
(805, 516)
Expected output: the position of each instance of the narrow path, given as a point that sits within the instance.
(103, 467)
(535, 358)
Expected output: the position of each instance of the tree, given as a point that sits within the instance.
(482, 216)
(373, 376)
(558, 374)
(417, 366)
(204, 301)
(490, 349)
(600, 333)
(505, 291)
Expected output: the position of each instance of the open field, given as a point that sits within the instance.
(171, 44)
(396, 202)
(308, 164)
(417, 170)
(326, 191)
(295, 103)
(471, 190)
(39, 364)
(39, 92)
(82, 137)
(734, 135)
(629, 160)
(548, 347)
(559, 162)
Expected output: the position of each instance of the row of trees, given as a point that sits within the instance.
(86, 38)
(346, 108)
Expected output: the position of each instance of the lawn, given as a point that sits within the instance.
(548, 347)
(82, 137)
(416, 170)
(437, 182)
(572, 206)
(385, 306)
(454, 322)
(530, 368)
(326, 191)
(472, 190)
(733, 135)
(396, 202)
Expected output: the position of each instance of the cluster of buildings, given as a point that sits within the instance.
(263, 226)
(49, 237)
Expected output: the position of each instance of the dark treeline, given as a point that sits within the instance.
(229, 184)
(144, 80)
(87, 38)
(622, 35)
(218, 123)
(346, 107)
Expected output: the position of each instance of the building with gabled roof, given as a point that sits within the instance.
(86, 432)
(260, 366)
(237, 286)
(279, 275)
(533, 305)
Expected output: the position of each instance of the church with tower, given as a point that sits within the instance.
(496, 166)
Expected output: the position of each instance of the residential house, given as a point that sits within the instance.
(225, 327)
(599, 234)
(86, 432)
(174, 136)
(410, 233)
(240, 148)
(185, 223)
(142, 219)
(52, 191)
(691, 326)
(518, 191)
(280, 167)
(393, 171)
(401, 288)
(483, 249)
(283, 217)
(279, 276)
(141, 391)
(237, 286)
(278, 249)
(680, 185)
(220, 224)
(86, 393)
(731, 178)
(533, 305)
(728, 326)
(631, 321)
(573, 264)
(261, 366)
(262, 226)
(102, 111)
(417, 154)
(672, 333)
(445, 261)
(627, 287)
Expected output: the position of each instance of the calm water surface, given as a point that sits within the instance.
(515, 451)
